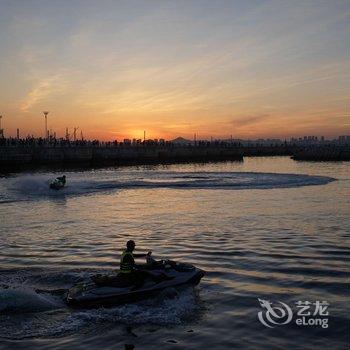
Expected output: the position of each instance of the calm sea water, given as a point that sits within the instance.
(268, 228)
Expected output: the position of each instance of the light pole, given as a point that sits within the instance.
(45, 114)
(1, 131)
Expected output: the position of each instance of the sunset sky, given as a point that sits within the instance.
(115, 68)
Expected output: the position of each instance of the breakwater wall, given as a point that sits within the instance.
(12, 156)
(44, 155)
(327, 153)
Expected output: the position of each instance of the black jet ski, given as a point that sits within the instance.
(56, 184)
(113, 290)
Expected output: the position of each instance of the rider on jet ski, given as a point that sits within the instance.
(130, 271)
(62, 179)
(127, 262)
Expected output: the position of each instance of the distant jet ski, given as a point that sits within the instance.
(58, 183)
(111, 290)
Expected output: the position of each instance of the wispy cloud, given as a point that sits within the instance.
(250, 119)
(41, 90)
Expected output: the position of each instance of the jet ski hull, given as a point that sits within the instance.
(89, 295)
(56, 185)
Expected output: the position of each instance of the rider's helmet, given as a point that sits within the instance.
(130, 245)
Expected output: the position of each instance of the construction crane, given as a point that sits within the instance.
(67, 134)
(75, 133)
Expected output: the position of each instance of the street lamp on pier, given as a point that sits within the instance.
(45, 115)
(1, 131)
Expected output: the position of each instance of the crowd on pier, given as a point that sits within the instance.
(53, 142)
(31, 141)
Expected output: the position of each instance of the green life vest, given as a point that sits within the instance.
(126, 266)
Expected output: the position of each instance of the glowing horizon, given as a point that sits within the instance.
(253, 69)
